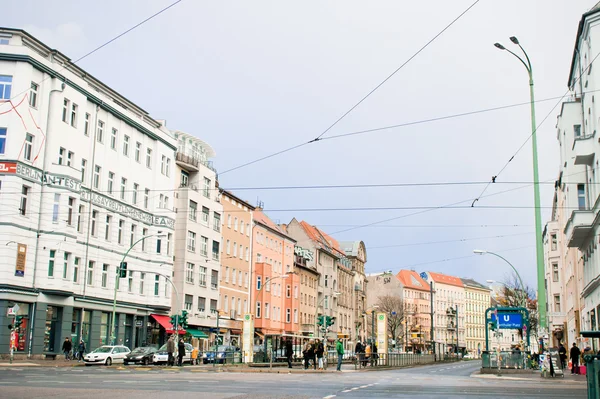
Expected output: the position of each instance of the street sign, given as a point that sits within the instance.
(510, 320)
(10, 312)
(524, 327)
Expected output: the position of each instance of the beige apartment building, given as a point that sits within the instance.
(477, 300)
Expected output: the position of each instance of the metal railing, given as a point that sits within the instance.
(507, 359)
(394, 360)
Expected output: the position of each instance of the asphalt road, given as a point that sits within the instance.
(449, 380)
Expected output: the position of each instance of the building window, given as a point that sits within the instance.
(193, 210)
(206, 189)
(120, 231)
(111, 179)
(74, 109)
(203, 246)
(83, 166)
(97, 170)
(258, 282)
(28, 148)
(163, 161)
(189, 273)
(71, 205)
(94, 219)
(185, 178)
(188, 302)
(51, 263)
(215, 250)
(5, 87)
(33, 94)
(288, 291)
(2, 140)
(55, 208)
(295, 315)
(90, 273)
(214, 279)
(123, 187)
(76, 262)
(577, 130)
(191, 242)
(169, 239)
(107, 227)
(67, 261)
(557, 303)
(288, 315)
(156, 284)
(228, 221)
(201, 304)
(202, 276)
(86, 124)
(217, 222)
(554, 242)
(70, 157)
(144, 234)
(205, 215)
(113, 139)
(213, 306)
(126, 145)
(130, 281)
(226, 304)
(168, 167)
(104, 282)
(235, 228)
(80, 213)
(142, 279)
(581, 196)
(258, 310)
(134, 194)
(148, 158)
(158, 245)
(65, 110)
(240, 278)
(61, 155)
(133, 231)
(146, 196)
(100, 132)
(138, 149)
(555, 272)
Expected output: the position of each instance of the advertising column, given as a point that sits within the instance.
(248, 338)
(382, 340)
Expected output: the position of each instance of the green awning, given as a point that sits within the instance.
(196, 333)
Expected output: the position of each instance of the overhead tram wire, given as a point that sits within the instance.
(105, 44)
(495, 177)
(319, 137)
(414, 244)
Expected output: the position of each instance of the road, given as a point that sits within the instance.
(449, 380)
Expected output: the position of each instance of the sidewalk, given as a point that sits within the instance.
(534, 377)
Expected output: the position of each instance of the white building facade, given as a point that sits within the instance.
(79, 179)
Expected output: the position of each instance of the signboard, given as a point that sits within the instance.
(11, 312)
(382, 339)
(13, 339)
(510, 320)
(21, 258)
(8, 167)
(248, 338)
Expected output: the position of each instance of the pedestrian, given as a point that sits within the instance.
(81, 350)
(358, 352)
(66, 348)
(180, 352)
(367, 355)
(575, 352)
(305, 354)
(289, 352)
(562, 354)
(171, 351)
(374, 354)
(312, 355)
(319, 352)
(339, 348)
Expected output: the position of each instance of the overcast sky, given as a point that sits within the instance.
(254, 77)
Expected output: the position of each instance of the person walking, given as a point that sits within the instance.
(575, 352)
(171, 351)
(358, 352)
(562, 354)
(374, 354)
(80, 351)
(312, 355)
(289, 352)
(305, 354)
(319, 352)
(339, 348)
(180, 352)
(66, 348)
(367, 355)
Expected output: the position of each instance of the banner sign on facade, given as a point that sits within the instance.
(21, 258)
(248, 338)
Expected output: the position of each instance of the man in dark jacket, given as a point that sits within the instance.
(320, 349)
(81, 350)
(171, 350)
(562, 354)
(66, 348)
(180, 352)
(289, 352)
(575, 352)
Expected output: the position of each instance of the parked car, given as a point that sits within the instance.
(107, 355)
(469, 356)
(222, 354)
(162, 356)
(142, 355)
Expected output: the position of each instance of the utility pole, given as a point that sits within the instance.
(431, 310)
(456, 330)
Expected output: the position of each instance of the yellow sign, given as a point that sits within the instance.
(21, 258)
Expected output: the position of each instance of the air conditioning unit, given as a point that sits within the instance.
(232, 314)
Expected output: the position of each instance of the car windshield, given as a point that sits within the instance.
(163, 348)
(141, 350)
(103, 349)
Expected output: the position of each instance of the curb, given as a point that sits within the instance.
(534, 378)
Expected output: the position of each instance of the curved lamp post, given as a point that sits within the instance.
(117, 276)
(483, 252)
(539, 250)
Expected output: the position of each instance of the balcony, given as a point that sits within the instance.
(187, 162)
(579, 227)
(583, 147)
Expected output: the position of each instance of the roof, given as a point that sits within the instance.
(411, 279)
(474, 284)
(210, 152)
(322, 238)
(592, 11)
(350, 247)
(260, 217)
(238, 199)
(445, 279)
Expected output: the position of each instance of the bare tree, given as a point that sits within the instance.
(393, 306)
(514, 295)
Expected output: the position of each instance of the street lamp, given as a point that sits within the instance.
(541, 284)
(117, 276)
(317, 310)
(483, 252)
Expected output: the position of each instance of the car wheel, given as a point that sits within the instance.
(125, 363)
(87, 365)
(108, 361)
(204, 361)
(145, 361)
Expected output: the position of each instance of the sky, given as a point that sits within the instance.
(255, 78)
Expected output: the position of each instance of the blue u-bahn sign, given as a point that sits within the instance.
(510, 320)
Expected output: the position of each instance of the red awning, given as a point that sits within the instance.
(165, 321)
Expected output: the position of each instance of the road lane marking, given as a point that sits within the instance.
(329, 397)
(347, 390)
(364, 386)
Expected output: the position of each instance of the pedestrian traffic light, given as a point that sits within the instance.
(123, 270)
(329, 321)
(183, 320)
(320, 320)
(174, 321)
(18, 322)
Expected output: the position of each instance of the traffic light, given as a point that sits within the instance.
(493, 325)
(329, 321)
(320, 320)
(18, 322)
(183, 319)
(123, 270)
(174, 321)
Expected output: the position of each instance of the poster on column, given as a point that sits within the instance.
(382, 339)
(248, 338)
